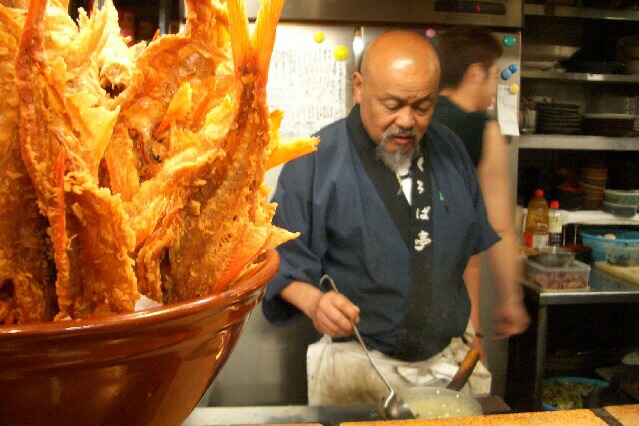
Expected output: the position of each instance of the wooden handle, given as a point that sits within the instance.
(465, 370)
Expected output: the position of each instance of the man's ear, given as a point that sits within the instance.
(475, 73)
(358, 81)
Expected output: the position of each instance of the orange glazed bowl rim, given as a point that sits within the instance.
(146, 367)
(99, 325)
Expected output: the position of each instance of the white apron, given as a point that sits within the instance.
(340, 373)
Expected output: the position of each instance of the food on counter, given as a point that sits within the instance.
(566, 395)
(559, 280)
(136, 169)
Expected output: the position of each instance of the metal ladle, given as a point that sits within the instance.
(391, 407)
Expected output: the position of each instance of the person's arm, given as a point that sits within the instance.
(503, 257)
(472, 281)
(330, 312)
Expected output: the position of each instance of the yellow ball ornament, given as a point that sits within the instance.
(318, 37)
(340, 52)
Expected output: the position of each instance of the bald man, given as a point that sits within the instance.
(390, 208)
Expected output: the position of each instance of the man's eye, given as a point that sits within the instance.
(392, 106)
(423, 109)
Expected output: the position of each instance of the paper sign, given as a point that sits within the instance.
(507, 115)
(310, 86)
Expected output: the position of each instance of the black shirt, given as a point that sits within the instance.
(469, 126)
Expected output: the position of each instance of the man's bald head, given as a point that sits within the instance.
(397, 49)
(396, 89)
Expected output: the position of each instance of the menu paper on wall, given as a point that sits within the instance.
(507, 114)
(310, 86)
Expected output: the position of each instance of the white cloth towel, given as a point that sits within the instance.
(340, 373)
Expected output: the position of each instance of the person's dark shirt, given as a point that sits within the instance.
(469, 126)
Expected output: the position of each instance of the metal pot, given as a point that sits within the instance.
(434, 402)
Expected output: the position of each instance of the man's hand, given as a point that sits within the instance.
(330, 312)
(510, 319)
(333, 313)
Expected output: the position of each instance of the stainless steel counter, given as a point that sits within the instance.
(325, 415)
(527, 352)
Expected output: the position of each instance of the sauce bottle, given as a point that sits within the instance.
(555, 224)
(536, 229)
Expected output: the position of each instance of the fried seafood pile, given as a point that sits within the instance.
(132, 170)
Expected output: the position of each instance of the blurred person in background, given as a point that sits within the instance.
(468, 85)
(391, 209)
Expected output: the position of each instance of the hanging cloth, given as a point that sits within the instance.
(421, 261)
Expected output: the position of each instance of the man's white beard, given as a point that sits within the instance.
(394, 160)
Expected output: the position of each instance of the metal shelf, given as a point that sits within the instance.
(580, 76)
(579, 142)
(597, 217)
(581, 12)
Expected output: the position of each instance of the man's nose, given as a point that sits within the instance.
(405, 118)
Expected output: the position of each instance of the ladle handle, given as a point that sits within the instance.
(465, 370)
(359, 336)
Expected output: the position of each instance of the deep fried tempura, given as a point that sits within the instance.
(138, 170)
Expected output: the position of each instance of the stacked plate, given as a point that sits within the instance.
(628, 53)
(558, 118)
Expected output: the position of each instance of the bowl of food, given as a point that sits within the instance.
(596, 237)
(146, 367)
(553, 256)
(569, 393)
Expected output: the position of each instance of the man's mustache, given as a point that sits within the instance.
(400, 132)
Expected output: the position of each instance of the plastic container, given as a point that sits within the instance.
(573, 277)
(622, 254)
(594, 238)
(555, 224)
(619, 196)
(536, 228)
(620, 210)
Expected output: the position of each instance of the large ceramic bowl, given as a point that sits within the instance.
(144, 368)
